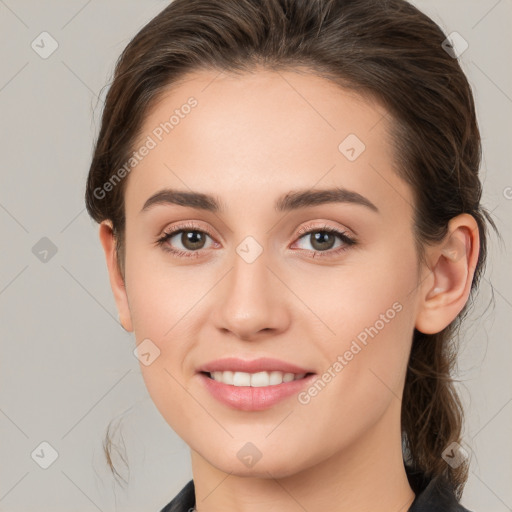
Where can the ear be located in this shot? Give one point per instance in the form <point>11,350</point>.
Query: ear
<point>445,290</point>
<point>108,242</point>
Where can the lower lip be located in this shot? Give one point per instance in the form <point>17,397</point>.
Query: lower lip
<point>247,398</point>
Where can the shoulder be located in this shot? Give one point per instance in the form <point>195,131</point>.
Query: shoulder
<point>184,501</point>
<point>432,494</point>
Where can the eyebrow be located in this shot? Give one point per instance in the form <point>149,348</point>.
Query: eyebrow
<point>293,200</point>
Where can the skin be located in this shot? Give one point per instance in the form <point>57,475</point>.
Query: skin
<point>245,143</point>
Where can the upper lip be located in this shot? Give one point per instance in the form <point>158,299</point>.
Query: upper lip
<point>256,365</point>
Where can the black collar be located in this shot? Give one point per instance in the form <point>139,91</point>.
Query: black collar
<point>432,495</point>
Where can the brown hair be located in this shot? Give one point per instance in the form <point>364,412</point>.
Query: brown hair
<point>384,49</point>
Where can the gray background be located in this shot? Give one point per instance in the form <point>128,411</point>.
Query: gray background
<point>67,368</point>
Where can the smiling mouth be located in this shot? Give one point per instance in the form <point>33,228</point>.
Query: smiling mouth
<point>258,379</point>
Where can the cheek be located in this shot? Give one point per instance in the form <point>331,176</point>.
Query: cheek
<point>167,307</point>
<point>162,296</point>
<point>352,298</point>
<point>370,312</point>
<point>364,373</point>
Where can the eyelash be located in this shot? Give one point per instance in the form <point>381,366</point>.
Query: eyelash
<point>346,239</point>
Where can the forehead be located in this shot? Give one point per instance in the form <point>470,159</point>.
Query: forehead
<point>262,132</point>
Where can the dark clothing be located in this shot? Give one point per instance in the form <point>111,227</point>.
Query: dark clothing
<point>433,495</point>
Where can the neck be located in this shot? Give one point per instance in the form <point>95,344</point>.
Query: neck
<point>369,474</point>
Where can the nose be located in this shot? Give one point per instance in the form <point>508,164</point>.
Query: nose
<point>252,302</point>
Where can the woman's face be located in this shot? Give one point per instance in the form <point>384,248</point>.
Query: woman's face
<point>257,276</point>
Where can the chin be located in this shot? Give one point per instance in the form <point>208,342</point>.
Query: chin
<point>274,464</point>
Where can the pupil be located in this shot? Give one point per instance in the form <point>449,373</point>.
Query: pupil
<point>322,238</point>
<point>192,239</point>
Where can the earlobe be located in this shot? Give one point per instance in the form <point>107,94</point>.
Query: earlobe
<point>444,293</point>
<point>117,284</point>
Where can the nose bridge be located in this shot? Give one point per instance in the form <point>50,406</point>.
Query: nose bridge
<point>252,301</point>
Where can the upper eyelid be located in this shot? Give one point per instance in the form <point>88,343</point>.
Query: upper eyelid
<point>305,230</point>
<point>301,233</point>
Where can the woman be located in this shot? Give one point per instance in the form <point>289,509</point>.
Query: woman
<point>237,138</point>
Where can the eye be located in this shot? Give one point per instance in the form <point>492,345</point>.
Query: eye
<point>323,240</point>
<point>189,241</point>
<point>186,241</point>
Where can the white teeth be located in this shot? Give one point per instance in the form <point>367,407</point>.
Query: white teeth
<point>226,377</point>
<point>241,379</point>
<point>255,380</point>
